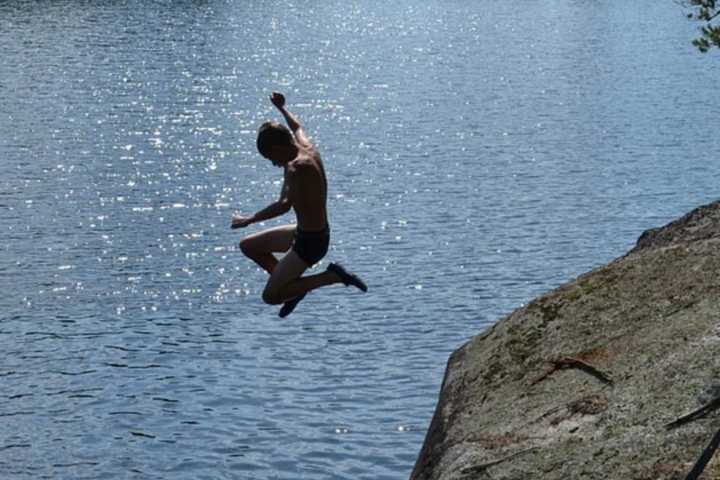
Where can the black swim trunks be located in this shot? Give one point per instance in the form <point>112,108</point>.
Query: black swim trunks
<point>311,246</point>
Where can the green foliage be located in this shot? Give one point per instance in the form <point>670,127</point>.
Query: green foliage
<point>706,11</point>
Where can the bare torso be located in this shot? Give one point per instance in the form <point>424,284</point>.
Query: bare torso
<point>307,189</point>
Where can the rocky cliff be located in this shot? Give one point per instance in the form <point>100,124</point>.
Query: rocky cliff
<point>615,375</point>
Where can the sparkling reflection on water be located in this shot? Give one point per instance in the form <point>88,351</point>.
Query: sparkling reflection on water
<point>476,158</point>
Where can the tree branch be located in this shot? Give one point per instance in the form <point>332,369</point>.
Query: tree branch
<point>701,412</point>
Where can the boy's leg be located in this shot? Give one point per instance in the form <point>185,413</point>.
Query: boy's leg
<point>260,246</point>
<point>286,282</point>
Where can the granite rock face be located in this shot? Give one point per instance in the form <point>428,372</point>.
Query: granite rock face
<point>586,381</point>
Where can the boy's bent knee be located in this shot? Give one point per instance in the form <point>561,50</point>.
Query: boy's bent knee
<point>271,297</point>
<point>246,246</point>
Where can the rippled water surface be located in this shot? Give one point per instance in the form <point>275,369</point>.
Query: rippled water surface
<point>479,154</point>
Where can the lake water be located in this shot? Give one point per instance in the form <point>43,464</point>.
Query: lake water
<point>479,154</point>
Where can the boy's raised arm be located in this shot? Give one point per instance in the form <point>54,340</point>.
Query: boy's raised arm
<point>278,99</point>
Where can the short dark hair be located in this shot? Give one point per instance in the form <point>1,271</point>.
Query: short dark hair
<point>270,134</point>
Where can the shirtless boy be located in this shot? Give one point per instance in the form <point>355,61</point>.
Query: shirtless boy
<point>305,191</point>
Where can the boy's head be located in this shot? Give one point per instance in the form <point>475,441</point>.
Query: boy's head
<point>276,143</point>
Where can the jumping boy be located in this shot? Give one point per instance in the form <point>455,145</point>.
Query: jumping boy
<point>305,191</point>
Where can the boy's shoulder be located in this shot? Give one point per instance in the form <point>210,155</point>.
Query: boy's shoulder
<point>303,165</point>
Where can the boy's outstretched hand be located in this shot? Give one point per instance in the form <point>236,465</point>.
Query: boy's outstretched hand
<point>239,221</point>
